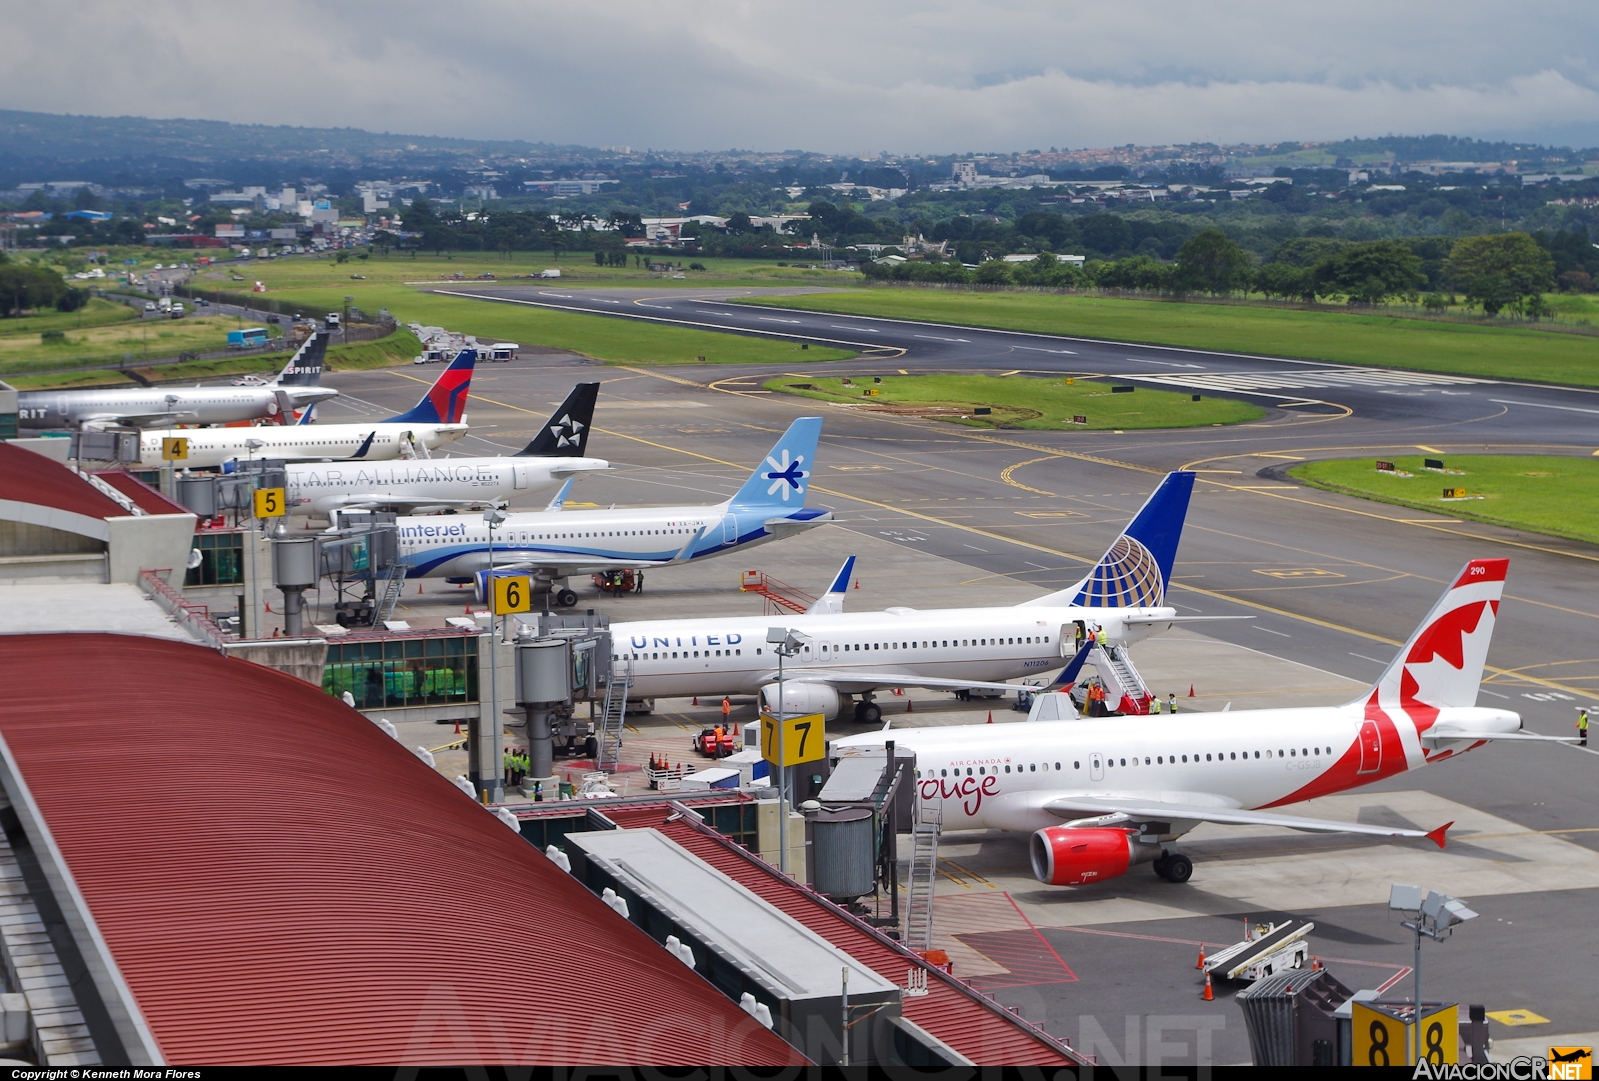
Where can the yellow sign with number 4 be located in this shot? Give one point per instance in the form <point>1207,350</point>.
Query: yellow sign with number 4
<point>513,594</point>
<point>804,739</point>
<point>174,448</point>
<point>271,502</point>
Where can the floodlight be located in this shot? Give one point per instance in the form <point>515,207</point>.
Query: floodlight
<point>493,517</point>
<point>1403,898</point>
<point>776,635</point>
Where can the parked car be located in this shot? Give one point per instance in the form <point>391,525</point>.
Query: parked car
<point>149,306</point>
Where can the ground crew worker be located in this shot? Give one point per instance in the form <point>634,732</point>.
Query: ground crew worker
<point>1096,698</point>
<point>1171,704</point>
<point>1154,704</point>
<point>1582,725</point>
<point>1099,637</point>
<point>727,708</point>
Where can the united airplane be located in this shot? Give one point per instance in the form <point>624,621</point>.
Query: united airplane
<point>294,389</point>
<point>552,457</point>
<point>1100,796</point>
<point>438,418</point>
<point>859,653</point>
<point>554,544</point>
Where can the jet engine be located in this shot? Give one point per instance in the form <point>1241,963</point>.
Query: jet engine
<point>1063,856</point>
<point>800,699</point>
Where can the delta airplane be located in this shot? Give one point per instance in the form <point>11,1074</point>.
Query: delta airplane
<point>554,544</point>
<point>437,419</point>
<point>294,389</point>
<point>1102,795</point>
<point>860,653</point>
<point>553,456</point>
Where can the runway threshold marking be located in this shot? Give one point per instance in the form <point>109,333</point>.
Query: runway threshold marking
<point>1214,594</point>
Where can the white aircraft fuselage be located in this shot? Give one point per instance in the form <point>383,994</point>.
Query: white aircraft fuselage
<point>55,409</point>
<point>213,446</point>
<point>320,488</point>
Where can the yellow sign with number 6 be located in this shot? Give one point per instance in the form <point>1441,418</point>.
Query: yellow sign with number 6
<point>270,503</point>
<point>174,448</point>
<point>804,739</point>
<point>513,594</point>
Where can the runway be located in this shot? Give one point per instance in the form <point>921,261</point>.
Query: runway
<point>1331,582</point>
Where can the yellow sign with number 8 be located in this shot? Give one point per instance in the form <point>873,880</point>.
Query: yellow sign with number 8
<point>271,502</point>
<point>513,593</point>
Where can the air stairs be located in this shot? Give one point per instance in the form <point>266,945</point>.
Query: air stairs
<point>925,828</point>
<point>612,714</point>
<point>780,596</point>
<point>393,586</point>
<point>1123,685</point>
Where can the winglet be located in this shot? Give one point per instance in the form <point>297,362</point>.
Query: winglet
<point>832,602</point>
<point>1068,675</point>
<point>366,446</point>
<point>1437,836</point>
<point>559,502</point>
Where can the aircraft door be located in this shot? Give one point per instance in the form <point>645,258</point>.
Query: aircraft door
<point>729,529</point>
<point>518,475</point>
<point>820,652</point>
<point>1096,767</point>
<point>1370,747</point>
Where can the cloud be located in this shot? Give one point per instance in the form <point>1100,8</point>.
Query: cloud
<point>927,76</point>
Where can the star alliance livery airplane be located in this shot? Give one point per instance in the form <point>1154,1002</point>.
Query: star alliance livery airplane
<point>1102,795</point>
<point>554,544</point>
<point>955,649</point>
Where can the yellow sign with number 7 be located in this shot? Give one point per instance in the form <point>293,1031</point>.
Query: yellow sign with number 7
<point>804,739</point>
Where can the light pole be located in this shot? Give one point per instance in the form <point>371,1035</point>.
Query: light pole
<point>785,643</point>
<point>489,773</point>
<point>1436,916</point>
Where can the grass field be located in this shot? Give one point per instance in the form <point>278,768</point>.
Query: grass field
<point>1023,401</point>
<point>111,343</point>
<point>1382,341</point>
<point>1557,496</point>
<point>621,340</point>
<point>96,313</point>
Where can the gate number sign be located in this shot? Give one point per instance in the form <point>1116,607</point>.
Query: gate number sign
<point>512,594</point>
<point>803,739</point>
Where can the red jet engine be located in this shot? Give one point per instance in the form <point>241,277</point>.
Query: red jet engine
<point>1063,856</point>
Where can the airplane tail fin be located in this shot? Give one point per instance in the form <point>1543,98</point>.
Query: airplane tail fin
<point>779,483</point>
<point>304,369</point>
<point>559,502</point>
<point>1135,571</point>
<point>832,602</point>
<point>445,400</point>
<point>1441,665</point>
<point>566,433</point>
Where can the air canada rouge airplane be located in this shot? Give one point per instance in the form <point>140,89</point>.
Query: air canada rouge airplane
<point>1102,795</point>
<point>955,649</point>
<point>438,418</point>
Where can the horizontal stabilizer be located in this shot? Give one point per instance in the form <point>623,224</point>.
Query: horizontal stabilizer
<point>1443,734</point>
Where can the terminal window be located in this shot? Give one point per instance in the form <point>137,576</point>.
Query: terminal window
<point>221,559</point>
<point>395,673</point>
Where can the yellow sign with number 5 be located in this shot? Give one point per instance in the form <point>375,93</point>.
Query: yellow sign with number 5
<point>513,594</point>
<point>271,503</point>
<point>804,739</point>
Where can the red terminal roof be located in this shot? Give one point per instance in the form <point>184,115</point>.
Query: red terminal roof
<point>148,499</point>
<point>979,1029</point>
<point>281,882</point>
<point>26,477</point>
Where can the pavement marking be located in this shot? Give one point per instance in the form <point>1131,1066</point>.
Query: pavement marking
<point>1517,1017</point>
<point>1541,405</point>
<point>1428,450</point>
<point>1345,377</point>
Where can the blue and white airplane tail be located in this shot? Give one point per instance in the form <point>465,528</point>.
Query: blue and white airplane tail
<point>780,482</point>
<point>1136,570</point>
<point>445,400</point>
<point>831,603</point>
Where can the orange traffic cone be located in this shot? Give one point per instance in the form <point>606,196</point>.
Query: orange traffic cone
<point>910,707</point>
<point>419,589</point>
<point>990,716</point>
<point>1201,962</point>
<point>1315,964</point>
<point>267,605</point>
<point>696,700</point>
<point>857,583</point>
<point>1190,690</point>
<point>458,728</point>
<point>1209,995</point>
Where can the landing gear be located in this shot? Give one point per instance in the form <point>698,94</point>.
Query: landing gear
<point>1174,867</point>
<point>565,598</point>
<point>868,713</point>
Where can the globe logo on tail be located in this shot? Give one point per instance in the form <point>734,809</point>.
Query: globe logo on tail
<point>785,476</point>
<point>1127,577</point>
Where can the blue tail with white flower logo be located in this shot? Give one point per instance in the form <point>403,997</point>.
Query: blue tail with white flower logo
<point>1136,570</point>
<point>779,483</point>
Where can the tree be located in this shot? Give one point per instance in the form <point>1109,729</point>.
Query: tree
<point>993,272</point>
<point>1371,272</point>
<point>1211,262</point>
<point>1501,270</point>
<point>1287,281</point>
<point>419,216</point>
<point>23,287</point>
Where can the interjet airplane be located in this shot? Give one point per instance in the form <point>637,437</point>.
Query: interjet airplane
<point>553,456</point>
<point>553,544</point>
<point>294,389</point>
<point>957,649</point>
<point>1103,795</point>
<point>437,419</point>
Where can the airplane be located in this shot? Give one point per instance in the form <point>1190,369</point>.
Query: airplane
<point>1101,796</point>
<point>438,418</point>
<point>554,544</point>
<point>957,649</point>
<point>294,388</point>
<point>554,455</point>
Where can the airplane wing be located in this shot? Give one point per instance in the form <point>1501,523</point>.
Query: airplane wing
<point>787,527</point>
<point>387,501</point>
<point>1152,810</point>
<point>164,419</point>
<point>855,677</point>
<point>1139,620</point>
<point>1445,733</point>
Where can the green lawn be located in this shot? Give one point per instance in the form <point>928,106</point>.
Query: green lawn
<point>1023,401</point>
<point>620,340</point>
<point>110,343</point>
<point>1383,341</point>
<point>1557,496</point>
<point>96,313</point>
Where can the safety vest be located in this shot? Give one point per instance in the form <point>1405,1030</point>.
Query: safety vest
<point>1582,721</point>
<point>1173,705</point>
<point>1154,705</point>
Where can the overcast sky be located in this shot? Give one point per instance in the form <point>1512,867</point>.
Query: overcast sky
<point>930,76</point>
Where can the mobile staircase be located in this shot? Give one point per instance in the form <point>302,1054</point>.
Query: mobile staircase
<point>780,596</point>
<point>925,828</point>
<point>612,714</point>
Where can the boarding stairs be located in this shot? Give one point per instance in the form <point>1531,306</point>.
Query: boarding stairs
<point>393,586</point>
<point>926,825</point>
<point>1123,685</point>
<point>780,596</point>
<point>612,714</point>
